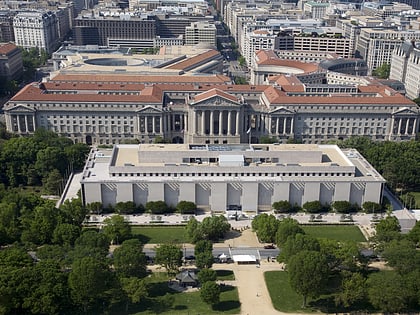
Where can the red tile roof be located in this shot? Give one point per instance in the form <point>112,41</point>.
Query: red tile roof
<point>7,48</point>
<point>196,60</point>
<point>109,78</point>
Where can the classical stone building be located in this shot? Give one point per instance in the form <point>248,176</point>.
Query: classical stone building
<point>218,177</point>
<point>208,109</point>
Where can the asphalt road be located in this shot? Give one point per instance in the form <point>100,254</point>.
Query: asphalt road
<point>264,253</point>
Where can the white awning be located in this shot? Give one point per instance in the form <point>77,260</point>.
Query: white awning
<point>244,258</point>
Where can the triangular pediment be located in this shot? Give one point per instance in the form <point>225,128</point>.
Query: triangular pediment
<point>214,97</point>
<point>150,110</point>
<point>281,111</point>
<point>20,108</point>
<point>405,111</point>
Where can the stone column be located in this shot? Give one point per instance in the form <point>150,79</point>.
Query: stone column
<point>161,125</point>
<point>26,124</point>
<point>186,123</point>
<point>291,125</point>
<point>414,126</point>
<point>269,125</point>
<point>220,122</point>
<point>211,123</point>
<point>237,123</point>
<point>406,126</point>
<point>392,125</point>
<point>229,123</point>
<point>203,122</point>
<point>153,124</point>
<point>146,131</point>
<point>33,122</point>
<point>399,126</point>
<point>277,125</point>
<point>284,125</point>
<point>18,123</point>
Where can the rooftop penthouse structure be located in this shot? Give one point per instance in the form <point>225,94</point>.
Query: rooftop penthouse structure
<point>215,177</point>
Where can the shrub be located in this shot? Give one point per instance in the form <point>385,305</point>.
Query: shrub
<point>157,207</point>
<point>282,206</point>
<point>186,207</point>
<point>370,206</point>
<point>313,206</point>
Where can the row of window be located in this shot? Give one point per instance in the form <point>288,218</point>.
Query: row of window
<point>228,174</point>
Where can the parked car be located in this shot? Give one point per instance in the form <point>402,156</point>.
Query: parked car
<point>270,246</point>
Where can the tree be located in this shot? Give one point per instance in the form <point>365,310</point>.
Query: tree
<point>204,259</point>
<point>402,255</point>
<point>186,207</point>
<point>91,243</point>
<point>287,227</point>
<point>49,293</point>
<point>10,228</point>
<point>203,246</point>
<point>213,228</point>
<point>268,140</point>
<point>296,244</point>
<point>266,227</point>
<point>65,234</point>
<point>117,229</point>
<point>369,207</point>
<point>73,212</point>
<point>127,207</point>
<point>387,229</point>
<point>308,272</point>
<point>169,256</point>
<point>135,290</point>
<point>206,274</point>
<point>413,235</point>
<point>129,259</point>
<point>194,231</point>
<point>353,290</point>
<point>313,206</point>
<point>344,206</point>
<point>210,293</point>
<point>157,207</point>
<point>383,71</point>
<point>387,291</point>
<point>88,281</point>
<point>282,206</point>
<point>52,182</point>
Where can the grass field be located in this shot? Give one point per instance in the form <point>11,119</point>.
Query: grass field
<point>335,232</point>
<point>160,234</point>
<point>282,295</point>
<point>225,275</point>
<point>163,300</point>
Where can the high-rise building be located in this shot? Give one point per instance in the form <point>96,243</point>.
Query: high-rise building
<point>36,29</point>
<point>11,66</point>
<point>405,67</point>
<point>200,32</point>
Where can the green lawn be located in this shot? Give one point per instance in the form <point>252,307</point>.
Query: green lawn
<point>283,297</point>
<point>160,234</point>
<point>225,275</point>
<point>335,232</point>
<point>184,303</point>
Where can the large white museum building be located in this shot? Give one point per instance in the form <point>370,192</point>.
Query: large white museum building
<point>217,176</point>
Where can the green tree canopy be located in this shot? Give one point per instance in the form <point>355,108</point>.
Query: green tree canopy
<point>210,293</point>
<point>295,244</point>
<point>308,273</point>
<point>266,227</point>
<point>129,259</point>
<point>287,227</point>
<point>117,229</point>
<point>282,206</point>
<point>206,274</point>
<point>186,207</point>
<point>169,256</point>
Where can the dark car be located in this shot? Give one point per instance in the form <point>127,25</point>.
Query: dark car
<point>270,246</point>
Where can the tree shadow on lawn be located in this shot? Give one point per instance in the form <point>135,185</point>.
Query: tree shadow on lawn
<point>326,304</point>
<point>224,273</point>
<point>226,306</point>
<point>142,238</point>
<point>231,235</point>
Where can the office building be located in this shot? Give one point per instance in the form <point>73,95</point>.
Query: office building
<point>217,177</point>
